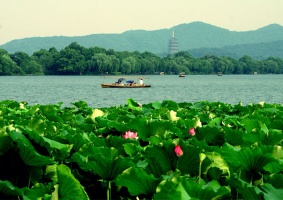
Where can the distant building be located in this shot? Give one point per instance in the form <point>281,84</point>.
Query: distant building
<point>173,45</point>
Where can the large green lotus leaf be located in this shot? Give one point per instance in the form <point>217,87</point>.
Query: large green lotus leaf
<point>5,142</point>
<point>156,105</point>
<point>273,167</point>
<point>271,193</point>
<point>200,143</point>
<point>75,138</point>
<point>276,124</point>
<point>252,161</point>
<point>231,121</point>
<point>38,191</point>
<point>253,138</point>
<point>31,109</point>
<point>274,137</point>
<point>35,174</point>
<point>130,149</point>
<point>112,141</point>
<point>229,154</point>
<point>27,151</point>
<point>263,127</point>
<point>51,112</point>
<point>189,161</point>
<point>68,186</point>
<point>155,140</point>
<point>102,161</point>
<point>80,104</point>
<point>132,104</point>
<point>7,188</point>
<point>138,181</point>
<point>276,180</point>
<point>234,136</point>
<point>164,155</point>
<point>56,149</point>
<point>117,142</point>
<point>170,105</point>
<point>153,167</point>
<point>245,190</point>
<point>212,135</point>
<point>147,128</point>
<point>67,114</point>
<point>218,162</point>
<point>36,124</point>
<point>79,119</point>
<point>110,124</point>
<point>186,124</point>
<point>215,122</point>
<point>250,124</point>
<point>200,105</point>
<point>97,141</point>
<point>181,188</point>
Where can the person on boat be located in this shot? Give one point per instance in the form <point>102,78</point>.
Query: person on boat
<point>130,82</point>
<point>141,81</point>
<point>120,80</point>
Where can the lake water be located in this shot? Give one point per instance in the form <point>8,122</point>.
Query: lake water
<point>67,89</point>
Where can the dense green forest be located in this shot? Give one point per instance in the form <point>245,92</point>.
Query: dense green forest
<point>75,59</point>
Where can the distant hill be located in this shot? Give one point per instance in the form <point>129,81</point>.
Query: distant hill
<point>258,51</point>
<point>190,37</point>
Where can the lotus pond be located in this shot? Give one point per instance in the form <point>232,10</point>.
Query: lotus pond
<point>160,150</point>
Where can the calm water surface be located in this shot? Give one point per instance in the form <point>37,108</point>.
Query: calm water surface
<point>67,89</point>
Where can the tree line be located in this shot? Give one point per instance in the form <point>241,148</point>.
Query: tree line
<point>78,60</point>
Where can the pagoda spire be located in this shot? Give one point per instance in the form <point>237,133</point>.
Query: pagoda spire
<point>173,44</point>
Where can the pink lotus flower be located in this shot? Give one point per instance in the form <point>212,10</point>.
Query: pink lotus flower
<point>192,132</point>
<point>178,151</point>
<point>131,135</point>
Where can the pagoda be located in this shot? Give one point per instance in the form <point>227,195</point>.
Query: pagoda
<point>173,45</point>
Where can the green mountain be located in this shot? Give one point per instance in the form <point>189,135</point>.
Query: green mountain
<point>257,51</point>
<point>190,37</point>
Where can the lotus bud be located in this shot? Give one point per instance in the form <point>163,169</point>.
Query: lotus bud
<point>192,132</point>
<point>202,156</point>
<point>178,151</point>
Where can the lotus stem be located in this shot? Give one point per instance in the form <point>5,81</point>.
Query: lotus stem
<point>29,178</point>
<point>109,190</point>
<point>199,172</point>
<point>202,156</point>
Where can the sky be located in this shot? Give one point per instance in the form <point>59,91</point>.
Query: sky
<point>32,18</point>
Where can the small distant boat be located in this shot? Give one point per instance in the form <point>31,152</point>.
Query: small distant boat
<point>182,75</point>
<point>219,73</point>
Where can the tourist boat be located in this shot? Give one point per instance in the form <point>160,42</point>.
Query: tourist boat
<point>219,74</point>
<point>113,85</point>
<point>181,75</point>
<point>128,84</point>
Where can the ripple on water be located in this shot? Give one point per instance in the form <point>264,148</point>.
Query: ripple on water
<point>67,89</point>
